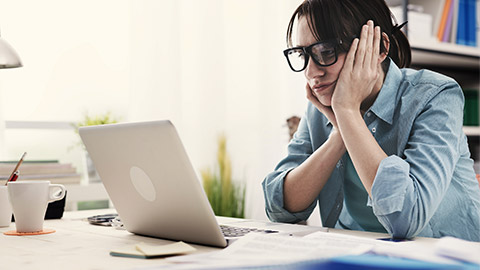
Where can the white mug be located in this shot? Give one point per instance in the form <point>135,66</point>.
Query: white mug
<point>5,208</point>
<point>29,201</point>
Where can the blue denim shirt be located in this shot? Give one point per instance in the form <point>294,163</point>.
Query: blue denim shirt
<point>425,187</point>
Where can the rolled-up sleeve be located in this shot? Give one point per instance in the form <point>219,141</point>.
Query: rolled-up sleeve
<point>407,190</point>
<point>299,149</point>
<point>273,192</point>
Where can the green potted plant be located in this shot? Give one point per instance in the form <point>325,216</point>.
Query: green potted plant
<point>227,197</point>
<point>95,120</point>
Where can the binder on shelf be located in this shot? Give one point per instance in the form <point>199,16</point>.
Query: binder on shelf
<point>453,34</point>
<point>462,21</point>
<point>436,9</point>
<point>448,25</point>
<point>471,23</point>
<point>477,11</point>
<point>471,108</point>
<point>443,20</point>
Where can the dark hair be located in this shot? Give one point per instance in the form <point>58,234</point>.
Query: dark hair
<point>343,19</point>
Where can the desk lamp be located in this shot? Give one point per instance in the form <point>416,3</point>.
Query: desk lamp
<point>8,56</point>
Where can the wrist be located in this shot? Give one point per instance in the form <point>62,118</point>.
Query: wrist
<point>335,138</point>
<point>347,113</point>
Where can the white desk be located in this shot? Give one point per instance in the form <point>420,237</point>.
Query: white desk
<point>78,245</point>
<point>75,245</point>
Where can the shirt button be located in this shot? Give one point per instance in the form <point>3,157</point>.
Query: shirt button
<point>369,114</point>
<point>374,129</point>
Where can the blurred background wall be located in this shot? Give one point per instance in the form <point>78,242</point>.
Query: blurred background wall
<point>210,66</point>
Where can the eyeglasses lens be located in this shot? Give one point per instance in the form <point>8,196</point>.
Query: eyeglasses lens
<point>324,53</point>
<point>296,58</point>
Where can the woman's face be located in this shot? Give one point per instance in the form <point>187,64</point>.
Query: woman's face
<point>322,80</point>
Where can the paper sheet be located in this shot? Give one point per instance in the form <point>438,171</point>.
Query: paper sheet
<point>267,249</point>
<point>448,250</point>
<point>262,247</point>
<point>458,249</point>
<point>273,249</point>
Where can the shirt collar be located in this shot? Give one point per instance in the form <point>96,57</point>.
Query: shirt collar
<point>385,103</point>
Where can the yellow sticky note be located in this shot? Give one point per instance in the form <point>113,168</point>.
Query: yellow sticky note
<point>128,251</point>
<point>164,250</point>
<point>145,251</point>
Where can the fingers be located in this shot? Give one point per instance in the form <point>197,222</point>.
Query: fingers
<point>368,48</point>
<point>376,46</point>
<point>361,50</point>
<point>364,53</point>
<point>369,45</point>
<point>350,58</point>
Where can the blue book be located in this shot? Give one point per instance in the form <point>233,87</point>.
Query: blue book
<point>471,23</point>
<point>462,23</point>
<point>359,262</point>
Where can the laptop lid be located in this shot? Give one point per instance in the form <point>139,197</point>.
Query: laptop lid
<point>151,182</point>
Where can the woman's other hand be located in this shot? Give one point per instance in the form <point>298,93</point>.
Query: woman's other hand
<point>360,72</point>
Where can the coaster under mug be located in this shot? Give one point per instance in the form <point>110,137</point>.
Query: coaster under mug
<point>44,231</point>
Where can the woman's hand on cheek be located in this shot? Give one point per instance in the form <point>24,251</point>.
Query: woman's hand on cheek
<point>325,110</point>
<point>360,71</point>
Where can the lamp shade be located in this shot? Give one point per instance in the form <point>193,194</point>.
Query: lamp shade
<point>8,56</point>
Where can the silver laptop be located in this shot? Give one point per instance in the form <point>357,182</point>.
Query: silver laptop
<point>152,184</point>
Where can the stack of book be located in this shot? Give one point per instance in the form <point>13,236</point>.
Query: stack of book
<point>51,170</point>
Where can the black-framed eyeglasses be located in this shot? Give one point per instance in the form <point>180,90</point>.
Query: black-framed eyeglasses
<point>323,53</point>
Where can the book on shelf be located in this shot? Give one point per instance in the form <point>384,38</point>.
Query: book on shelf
<point>37,168</point>
<point>73,178</point>
<point>448,25</point>
<point>472,23</point>
<point>467,23</point>
<point>443,20</point>
<point>454,29</point>
<point>461,25</point>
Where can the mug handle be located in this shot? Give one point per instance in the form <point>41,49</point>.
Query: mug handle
<point>51,195</point>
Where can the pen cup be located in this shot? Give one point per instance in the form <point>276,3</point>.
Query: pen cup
<point>29,201</point>
<point>5,208</point>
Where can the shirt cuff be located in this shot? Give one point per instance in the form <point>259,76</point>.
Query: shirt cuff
<point>275,209</point>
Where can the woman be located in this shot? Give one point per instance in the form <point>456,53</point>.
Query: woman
<point>380,147</point>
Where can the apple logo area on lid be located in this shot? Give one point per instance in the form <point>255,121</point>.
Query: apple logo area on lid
<point>142,183</point>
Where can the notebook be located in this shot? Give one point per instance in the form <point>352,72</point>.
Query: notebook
<point>153,186</point>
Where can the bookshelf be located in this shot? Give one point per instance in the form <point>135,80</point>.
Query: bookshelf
<point>457,61</point>
<point>435,53</point>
